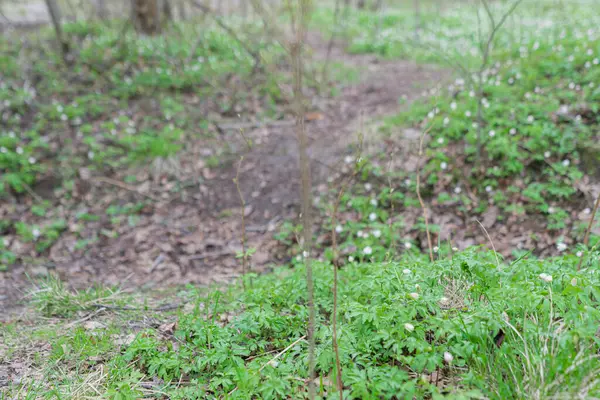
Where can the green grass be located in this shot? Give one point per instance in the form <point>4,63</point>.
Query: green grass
<point>398,321</point>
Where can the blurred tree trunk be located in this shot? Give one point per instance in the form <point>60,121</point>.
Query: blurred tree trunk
<point>101,9</point>
<point>181,8</point>
<point>167,10</point>
<point>146,16</point>
<point>54,12</point>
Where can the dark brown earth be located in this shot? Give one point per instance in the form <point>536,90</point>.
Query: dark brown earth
<point>193,237</point>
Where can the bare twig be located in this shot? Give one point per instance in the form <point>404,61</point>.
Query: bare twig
<point>491,241</point>
<point>419,193</point>
<point>243,216</point>
<point>299,20</point>
<point>114,182</point>
<point>336,13</point>
<point>589,229</point>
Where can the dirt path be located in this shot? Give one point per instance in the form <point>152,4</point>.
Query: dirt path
<point>194,238</point>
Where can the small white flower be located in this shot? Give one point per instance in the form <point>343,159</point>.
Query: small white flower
<point>6,242</point>
<point>545,277</point>
<point>550,210</point>
<point>511,81</point>
<point>588,65</point>
<point>377,233</point>
<point>457,190</point>
<point>492,133</point>
<point>91,155</point>
<point>409,327</point>
<point>3,150</point>
<point>440,140</point>
<point>436,249</point>
<point>574,282</point>
<point>368,187</point>
<point>418,287</point>
<point>587,210</point>
<point>298,257</point>
<point>471,94</point>
<point>571,58</point>
<point>64,117</point>
<point>590,52</point>
<point>36,233</point>
<point>360,234</point>
<point>11,135</point>
<point>19,150</point>
<point>566,162</point>
<point>372,217</point>
<point>444,300</point>
<point>305,254</point>
<point>595,61</point>
<point>406,271</point>
<point>350,259</point>
<point>339,229</point>
<point>415,296</point>
<point>579,254</point>
<point>446,122</point>
<point>407,182</point>
<point>443,165</point>
<point>448,357</point>
<point>59,108</point>
<point>32,160</point>
<point>373,202</point>
<point>528,95</point>
<point>430,114</point>
<point>407,245</point>
<point>488,189</point>
<point>468,113</point>
<point>560,246</point>
<point>455,249</point>
<point>453,106</point>
<point>547,154</point>
<point>530,119</point>
<point>513,131</point>
<point>367,250</point>
<point>348,159</point>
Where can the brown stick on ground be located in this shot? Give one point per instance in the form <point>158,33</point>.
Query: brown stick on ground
<point>589,229</point>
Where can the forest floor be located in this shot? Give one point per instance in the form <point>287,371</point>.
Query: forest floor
<point>194,236</point>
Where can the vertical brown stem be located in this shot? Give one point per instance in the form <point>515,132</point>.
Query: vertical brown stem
<point>425,216</point>
<point>299,24</point>
<point>589,229</point>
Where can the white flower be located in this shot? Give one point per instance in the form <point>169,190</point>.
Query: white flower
<point>372,217</point>
<point>440,140</point>
<point>298,257</point>
<point>455,249</point>
<point>574,282</point>
<point>360,234</point>
<point>350,259</point>
<point>91,155</point>
<point>430,114</point>
<point>468,113</point>
<point>339,229</point>
<point>59,108</point>
<point>492,133</point>
<point>348,159</point>
<point>587,211</point>
<point>11,135</point>
<point>6,242</point>
<point>550,210</point>
<point>448,357</point>
<point>414,296</point>
<point>595,61</point>
<point>453,106</point>
<point>513,131</point>
<point>457,190</point>
<point>3,150</point>
<point>511,81</point>
<point>407,245</point>
<point>418,287</point>
<point>566,162</point>
<point>444,300</point>
<point>528,95</point>
<point>443,165</point>
<point>488,188</point>
<point>547,154</point>
<point>590,52</point>
<point>545,277</point>
<point>579,253</point>
<point>19,150</point>
<point>530,119</point>
<point>409,327</point>
<point>32,160</point>
<point>406,271</point>
<point>471,94</point>
<point>367,250</point>
<point>377,233</point>
<point>36,233</point>
<point>446,122</point>
<point>588,65</point>
<point>64,117</point>
<point>373,202</point>
<point>407,181</point>
<point>436,249</point>
<point>560,246</point>
<point>368,187</point>
<point>305,254</point>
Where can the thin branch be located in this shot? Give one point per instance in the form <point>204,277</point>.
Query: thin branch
<point>243,216</point>
<point>589,229</point>
<point>491,241</point>
<point>419,193</point>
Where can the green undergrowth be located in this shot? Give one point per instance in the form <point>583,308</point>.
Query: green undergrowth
<point>540,107</point>
<point>465,326</point>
